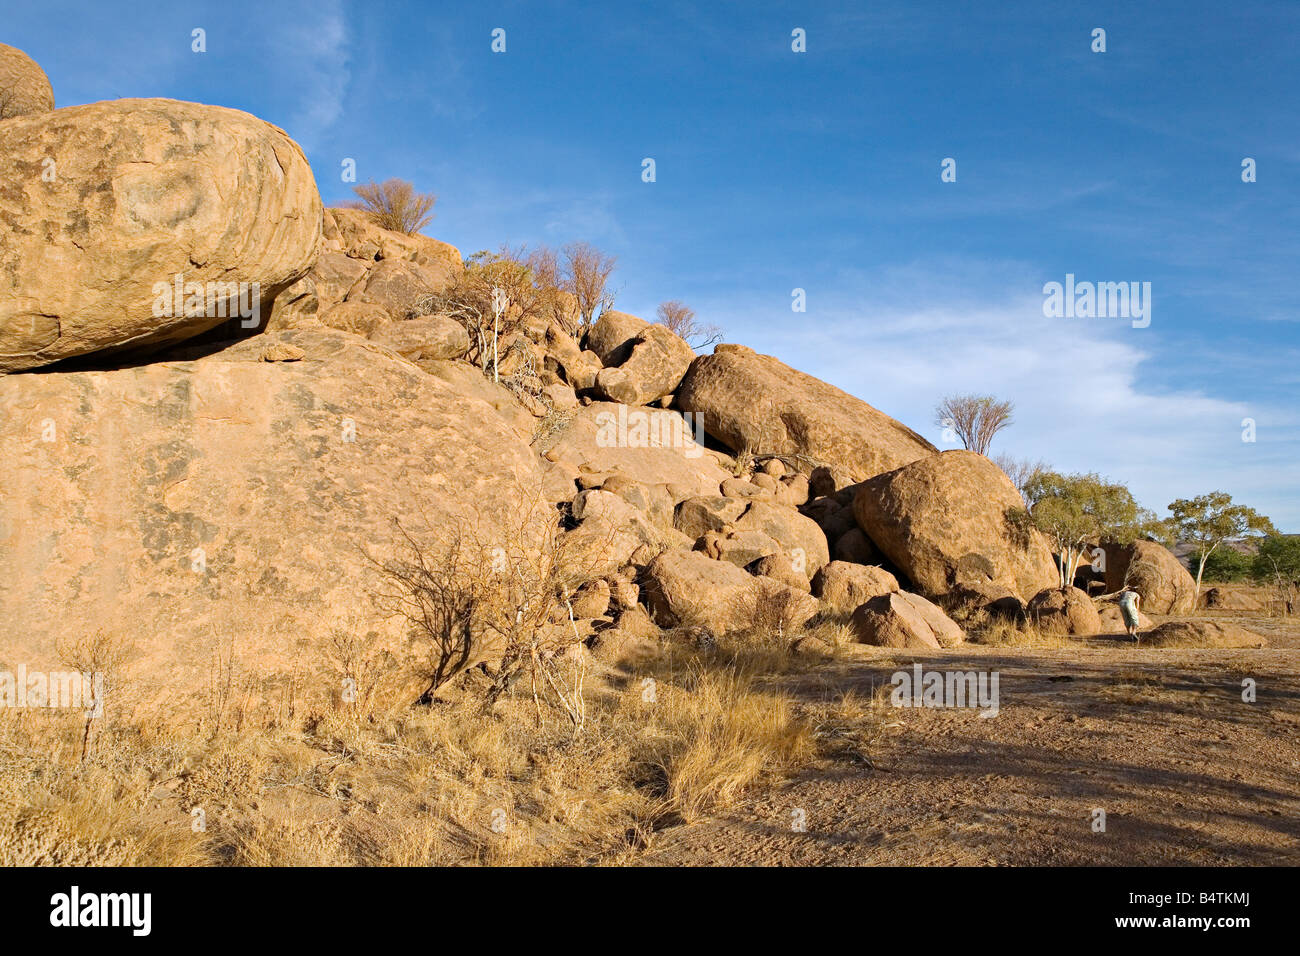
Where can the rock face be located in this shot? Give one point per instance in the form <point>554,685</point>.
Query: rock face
<point>1202,634</point>
<point>654,368</point>
<point>428,337</point>
<point>612,336</point>
<point>1064,611</point>
<point>143,192</point>
<point>845,587</point>
<point>652,445</point>
<point>686,588</point>
<point>943,522</point>
<point>191,503</point>
<point>1153,571</point>
<point>1226,599</point>
<point>900,619</point>
<point>753,401</point>
<point>24,88</point>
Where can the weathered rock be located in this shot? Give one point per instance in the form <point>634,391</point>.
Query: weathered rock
<point>655,367</point>
<point>699,515</point>
<point>335,276</point>
<point>470,382</point>
<point>752,401</point>
<point>683,588</point>
<point>1152,570</point>
<point>1228,599</point>
<point>428,337</point>
<point>740,548</point>
<point>854,546</point>
<point>798,536</point>
<point>181,504</point>
<point>900,619</point>
<point>1112,621</point>
<point>845,587</point>
<point>400,286</point>
<point>1064,611</point>
<point>944,521</point>
<point>24,88</point>
<point>612,336</point>
<point>145,191</point>
<point>1201,634</point>
<point>578,367</point>
<point>649,444</point>
<point>592,599</point>
<point>356,230</point>
<point>296,307</point>
<point>994,599</point>
<point>780,567</point>
<point>359,318</point>
<point>283,352</point>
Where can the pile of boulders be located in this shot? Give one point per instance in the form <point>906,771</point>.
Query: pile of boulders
<point>194,475</point>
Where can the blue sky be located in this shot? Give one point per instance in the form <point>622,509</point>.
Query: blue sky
<point>778,170</point>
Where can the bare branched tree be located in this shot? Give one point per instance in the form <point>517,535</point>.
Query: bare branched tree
<point>585,275</point>
<point>1021,471</point>
<point>680,319</point>
<point>974,418</point>
<point>394,204</point>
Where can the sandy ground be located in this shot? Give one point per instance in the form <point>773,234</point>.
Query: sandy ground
<point>1160,739</point>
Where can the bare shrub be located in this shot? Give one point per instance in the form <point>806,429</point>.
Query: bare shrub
<point>584,274</point>
<point>395,205</point>
<point>680,319</point>
<point>974,418</point>
<point>1021,471</point>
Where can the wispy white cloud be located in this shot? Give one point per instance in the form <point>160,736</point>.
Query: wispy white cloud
<point>1084,394</point>
<point>315,64</point>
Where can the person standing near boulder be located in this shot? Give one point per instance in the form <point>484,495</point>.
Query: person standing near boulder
<point>1128,608</point>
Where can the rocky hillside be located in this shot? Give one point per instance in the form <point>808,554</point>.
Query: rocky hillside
<point>228,411</point>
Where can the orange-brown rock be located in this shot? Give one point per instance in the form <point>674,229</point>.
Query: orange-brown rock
<point>225,502</point>
<point>944,521</point>
<point>753,401</point>
<point>900,619</point>
<point>1152,570</point>
<point>144,192</point>
<point>24,88</point>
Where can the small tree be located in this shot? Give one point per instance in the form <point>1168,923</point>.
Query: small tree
<point>585,272</point>
<point>1209,520</point>
<point>395,205</point>
<point>679,318</point>
<point>974,418</point>
<point>1278,561</point>
<point>1076,510</point>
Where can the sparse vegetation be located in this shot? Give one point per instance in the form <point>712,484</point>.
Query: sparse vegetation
<point>974,418</point>
<point>584,274</point>
<point>394,204</point>
<point>680,319</point>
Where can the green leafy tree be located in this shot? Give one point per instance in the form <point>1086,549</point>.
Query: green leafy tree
<point>1278,561</point>
<point>1074,511</point>
<point>1229,564</point>
<point>1209,520</point>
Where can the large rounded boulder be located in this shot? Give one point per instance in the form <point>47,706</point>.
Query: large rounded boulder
<point>947,520</point>
<point>1151,569</point>
<point>24,88</point>
<point>900,619</point>
<point>134,224</point>
<point>1064,611</point>
<point>755,402</point>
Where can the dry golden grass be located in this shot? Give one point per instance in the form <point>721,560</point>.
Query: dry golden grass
<point>684,735</point>
<point>997,632</point>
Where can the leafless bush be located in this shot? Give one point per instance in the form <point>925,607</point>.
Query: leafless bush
<point>975,419</point>
<point>394,204</point>
<point>680,320</point>
<point>585,272</point>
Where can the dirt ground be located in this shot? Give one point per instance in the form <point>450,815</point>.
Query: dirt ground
<point>1160,739</point>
